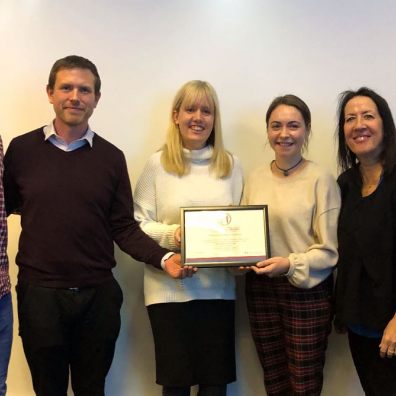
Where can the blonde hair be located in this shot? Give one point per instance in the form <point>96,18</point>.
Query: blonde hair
<point>172,157</point>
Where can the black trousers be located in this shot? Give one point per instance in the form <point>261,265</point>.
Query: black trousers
<point>69,329</point>
<point>377,375</point>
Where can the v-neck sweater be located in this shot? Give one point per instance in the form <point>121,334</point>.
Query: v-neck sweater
<point>73,205</point>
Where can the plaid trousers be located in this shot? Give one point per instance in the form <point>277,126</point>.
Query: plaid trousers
<point>290,327</point>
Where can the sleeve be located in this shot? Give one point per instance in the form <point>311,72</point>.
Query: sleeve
<point>12,195</point>
<point>237,181</point>
<point>309,268</point>
<point>125,229</point>
<point>246,192</point>
<point>393,203</point>
<point>146,208</point>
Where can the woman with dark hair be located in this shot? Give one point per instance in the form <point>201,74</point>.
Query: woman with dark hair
<point>289,294</point>
<point>366,281</point>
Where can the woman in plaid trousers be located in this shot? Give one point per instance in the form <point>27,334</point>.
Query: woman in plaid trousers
<point>289,294</point>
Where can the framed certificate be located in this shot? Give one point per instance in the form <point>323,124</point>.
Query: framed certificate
<point>224,236</point>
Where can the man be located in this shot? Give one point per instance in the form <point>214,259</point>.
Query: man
<point>72,190</point>
<point>6,318</point>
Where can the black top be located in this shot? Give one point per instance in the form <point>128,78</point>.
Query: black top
<point>366,281</point>
<point>73,205</point>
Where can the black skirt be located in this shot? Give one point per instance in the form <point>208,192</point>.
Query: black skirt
<point>194,342</point>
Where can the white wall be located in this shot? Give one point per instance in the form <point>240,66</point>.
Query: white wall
<point>251,51</point>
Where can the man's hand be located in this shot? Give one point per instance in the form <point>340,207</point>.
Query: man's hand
<point>174,269</point>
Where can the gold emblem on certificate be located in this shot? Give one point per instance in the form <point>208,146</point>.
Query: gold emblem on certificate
<point>224,236</point>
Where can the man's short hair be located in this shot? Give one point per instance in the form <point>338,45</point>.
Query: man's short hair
<point>74,62</point>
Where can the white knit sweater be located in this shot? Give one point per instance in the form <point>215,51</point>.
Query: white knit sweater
<point>303,211</point>
<point>159,195</point>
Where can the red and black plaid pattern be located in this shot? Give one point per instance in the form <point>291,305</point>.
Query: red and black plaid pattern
<point>290,327</point>
<point>4,277</point>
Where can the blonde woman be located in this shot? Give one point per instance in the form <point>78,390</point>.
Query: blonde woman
<point>192,319</point>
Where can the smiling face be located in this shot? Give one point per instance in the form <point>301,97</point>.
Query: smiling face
<point>195,120</point>
<point>286,133</point>
<point>363,128</point>
<point>73,98</point>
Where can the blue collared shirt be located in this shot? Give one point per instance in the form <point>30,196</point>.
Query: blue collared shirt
<point>51,135</point>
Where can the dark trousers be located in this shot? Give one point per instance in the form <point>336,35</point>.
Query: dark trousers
<point>69,329</point>
<point>377,375</point>
<point>290,327</point>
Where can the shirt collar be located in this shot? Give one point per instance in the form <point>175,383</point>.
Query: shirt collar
<point>49,130</point>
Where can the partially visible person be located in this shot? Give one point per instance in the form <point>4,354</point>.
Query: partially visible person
<point>6,317</point>
<point>289,295</point>
<point>366,280</point>
<point>193,319</point>
<point>72,190</point>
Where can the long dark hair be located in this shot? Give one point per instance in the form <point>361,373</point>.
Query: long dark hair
<point>348,159</point>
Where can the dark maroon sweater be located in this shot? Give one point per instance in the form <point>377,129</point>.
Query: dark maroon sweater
<point>73,205</point>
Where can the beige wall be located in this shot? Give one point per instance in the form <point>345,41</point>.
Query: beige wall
<point>251,51</point>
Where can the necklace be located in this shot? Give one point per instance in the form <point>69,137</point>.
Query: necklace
<point>370,184</point>
<point>286,171</point>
